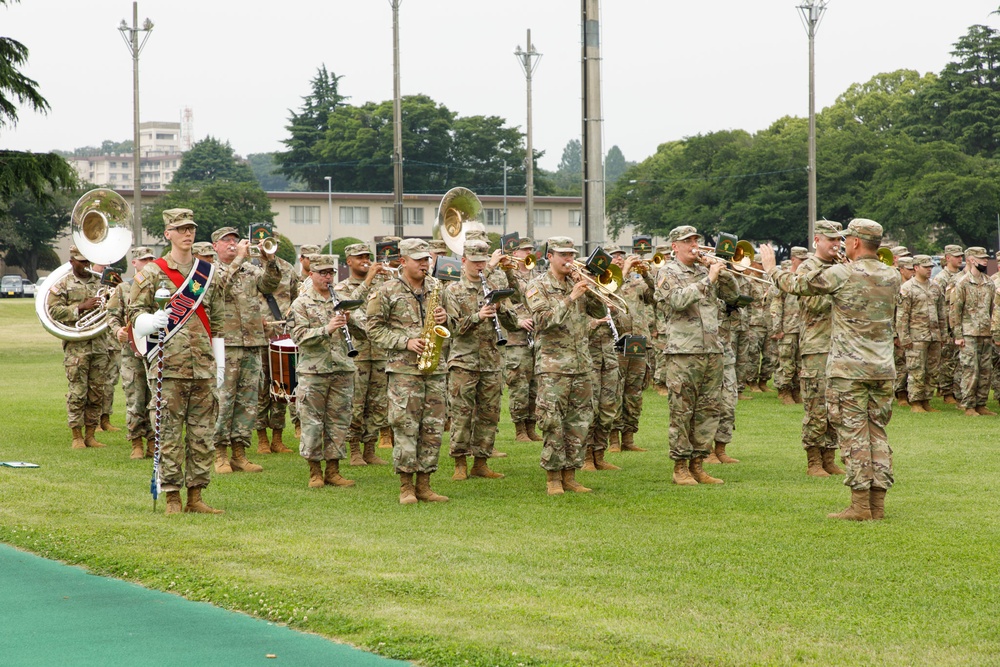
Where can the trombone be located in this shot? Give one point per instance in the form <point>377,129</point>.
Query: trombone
<point>738,263</point>
<point>599,289</point>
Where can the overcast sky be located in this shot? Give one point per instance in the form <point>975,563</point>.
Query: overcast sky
<point>670,69</point>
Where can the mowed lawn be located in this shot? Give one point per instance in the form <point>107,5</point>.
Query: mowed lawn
<point>639,572</point>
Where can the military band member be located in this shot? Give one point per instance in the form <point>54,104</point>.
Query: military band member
<point>138,395</point>
<point>904,264</point>
<point>785,326</point>
<point>739,326</point>
<point>694,362</point>
<point>271,413</point>
<point>305,252</point>
<point>729,395</point>
<point>659,328</point>
<point>241,284</point>
<point>637,291</point>
<point>192,364</point>
<point>325,390</point>
<point>759,320</point>
<point>85,361</point>
<point>948,386</point>
<point>971,305</point>
<point>519,354</point>
<point>860,365</point>
<point>204,251</point>
<point>438,249</point>
<point>112,370</point>
<point>369,412</point>
<point>397,313</point>
<point>920,327</point>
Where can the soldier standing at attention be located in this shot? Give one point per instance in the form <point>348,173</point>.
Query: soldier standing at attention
<point>325,389</point>
<point>112,371</point>
<point>85,361</point>
<point>637,291</point>
<point>397,314</point>
<point>192,360</point>
<point>694,364</point>
<point>564,406</point>
<point>785,326</point>
<point>519,355</point>
<point>904,263</point>
<point>241,284</point>
<point>860,367</point>
<point>948,387</point>
<point>659,327</point>
<point>971,305</point>
<point>204,251</point>
<point>271,413</point>
<point>134,382</point>
<point>920,326</point>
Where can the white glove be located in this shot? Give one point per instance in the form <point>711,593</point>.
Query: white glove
<point>148,324</point>
<point>219,352</point>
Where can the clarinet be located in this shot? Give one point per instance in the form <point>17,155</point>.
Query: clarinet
<point>611,323</point>
<point>351,352</point>
<point>501,341</point>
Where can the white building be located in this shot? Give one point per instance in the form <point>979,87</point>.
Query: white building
<point>161,152</point>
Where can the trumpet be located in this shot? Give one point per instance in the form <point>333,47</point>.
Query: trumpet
<point>529,262</point>
<point>599,289</point>
<point>268,245</point>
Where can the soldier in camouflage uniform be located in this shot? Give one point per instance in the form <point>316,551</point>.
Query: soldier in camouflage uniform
<point>133,368</point>
<point>397,315</point>
<point>561,306</point>
<point>951,268</point>
<point>519,356</point>
<point>694,366</point>
<point>971,305</point>
<point>112,371</point>
<point>241,284</point>
<point>758,319</point>
<point>203,250</point>
<point>860,366</point>
<point>920,327</point>
<point>904,264</point>
<point>728,397</point>
<point>305,282</point>
<point>271,413</point>
<point>785,326</point>
<point>325,375</point>
<point>659,328</point>
<point>191,368</point>
<point>739,326</point>
<point>85,361</point>
<point>475,364</point>
<point>369,412</point>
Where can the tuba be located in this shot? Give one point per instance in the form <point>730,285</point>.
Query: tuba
<point>101,227</point>
<point>458,213</point>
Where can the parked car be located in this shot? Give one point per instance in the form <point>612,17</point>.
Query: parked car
<point>29,287</point>
<point>11,286</point>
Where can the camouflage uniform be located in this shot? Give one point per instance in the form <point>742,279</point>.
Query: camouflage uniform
<point>814,347</point>
<point>730,389</point>
<point>138,393</point>
<point>759,316</point>
<point>637,291</point>
<point>111,373</point>
<point>785,320</point>
<point>565,407</point>
<point>604,378</point>
<point>739,324</point>
<point>519,361</point>
<point>271,413</point>
<point>189,395</point>
<point>920,326</point>
<point>970,307</point>
<point>947,377</point>
<point>325,376</point>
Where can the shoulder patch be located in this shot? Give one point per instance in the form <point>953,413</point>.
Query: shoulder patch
<point>372,295</point>
<point>531,292</point>
<point>139,277</point>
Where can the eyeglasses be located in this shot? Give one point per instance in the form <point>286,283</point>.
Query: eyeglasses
<point>326,272</point>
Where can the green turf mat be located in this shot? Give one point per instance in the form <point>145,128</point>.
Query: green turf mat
<point>55,614</point>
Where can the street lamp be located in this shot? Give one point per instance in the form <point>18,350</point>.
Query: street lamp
<point>329,210</point>
<point>131,37</point>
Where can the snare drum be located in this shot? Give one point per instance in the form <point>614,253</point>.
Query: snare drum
<point>282,355</point>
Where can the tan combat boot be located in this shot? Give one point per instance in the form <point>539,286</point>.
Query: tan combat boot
<point>600,463</point>
<point>588,459</point>
<point>197,505</point>
<point>754,388</point>
<point>240,463</point>
<point>480,469</point>
<point>971,412</point>
<point>797,395</point>
<point>901,399</point>
<point>88,438</point>
<point>277,444</point>
<point>569,482</point>
<point>461,469</point>
<point>628,442</point>
<point>786,398</point>
<point>222,466</point>
<point>106,424</point>
<point>615,442</point>
<point>424,491</point>
<point>529,428</point>
<point>369,455</point>
<point>406,492</point>
<point>876,501</point>
<point>917,406</point>
<point>662,390</point>
<point>357,459</point>
<point>985,411</point>
<point>763,387</point>
<point>682,476</point>
<point>829,457</point>
<point>720,454</point>
<point>316,475</point>
<point>263,444</point>
<point>814,461</point>
<point>333,477</point>
<point>150,447</point>
<point>298,431</point>
<point>949,399</point>
<point>173,503</point>
<point>699,475</point>
<point>927,406</point>
<point>521,432</point>
<point>78,439</point>
<point>711,458</point>
<point>496,454</point>
<point>553,482</point>
<point>385,438</point>
<point>136,449</point>
<point>859,509</point>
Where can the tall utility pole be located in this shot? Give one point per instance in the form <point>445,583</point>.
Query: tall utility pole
<point>397,127</point>
<point>812,13</point>
<point>329,212</point>
<point>529,61</point>
<point>593,156</point>
<point>135,48</point>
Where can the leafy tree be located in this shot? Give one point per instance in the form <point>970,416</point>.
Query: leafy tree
<point>215,205</point>
<point>211,160</point>
<point>615,165</point>
<point>307,127</point>
<point>337,246</point>
<point>30,226</point>
<point>265,170</point>
<point>568,178</point>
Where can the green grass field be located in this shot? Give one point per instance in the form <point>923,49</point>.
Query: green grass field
<point>639,572</point>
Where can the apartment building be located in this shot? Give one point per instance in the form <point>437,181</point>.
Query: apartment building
<point>161,153</point>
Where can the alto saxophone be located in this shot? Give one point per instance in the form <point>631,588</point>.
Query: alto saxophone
<point>433,335</point>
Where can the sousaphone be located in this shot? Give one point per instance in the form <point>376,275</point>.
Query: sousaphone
<point>458,213</point>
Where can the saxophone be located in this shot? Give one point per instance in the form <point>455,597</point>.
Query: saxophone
<point>433,335</point>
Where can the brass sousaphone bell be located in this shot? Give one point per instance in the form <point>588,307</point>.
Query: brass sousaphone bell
<point>458,213</point>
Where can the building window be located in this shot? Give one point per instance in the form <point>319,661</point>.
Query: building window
<point>411,216</point>
<point>124,165</point>
<point>354,215</point>
<point>493,217</point>
<point>114,165</point>
<point>543,217</point>
<point>160,135</point>
<point>305,215</point>
<point>575,217</point>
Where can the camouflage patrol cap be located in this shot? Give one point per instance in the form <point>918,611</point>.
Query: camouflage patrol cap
<point>905,263</point>
<point>922,260</point>
<point>663,248</point>
<point>74,253</point>
<point>682,232</point>
<point>224,231</point>
<point>178,217</point>
<point>615,250</point>
<point>477,234</point>
<point>799,252</point>
<point>828,228</point>
<point>142,252</point>
<point>390,239</point>
<point>526,244</point>
<point>976,251</point>
<point>561,244</point>
<point>308,249</point>
<point>953,249</point>
<point>786,264</point>
<point>863,228</point>
<point>438,246</point>
<point>356,249</point>
<point>476,251</point>
<point>322,263</point>
<point>900,251</point>
<point>414,248</point>
<point>204,248</point>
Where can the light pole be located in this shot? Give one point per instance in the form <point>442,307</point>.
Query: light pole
<point>812,13</point>
<point>505,198</point>
<point>329,209</point>
<point>593,226</point>
<point>397,127</point>
<point>135,48</point>
<point>528,61</point>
